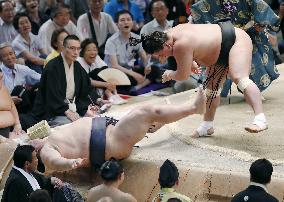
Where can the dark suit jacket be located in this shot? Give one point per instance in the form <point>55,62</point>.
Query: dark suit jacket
<point>18,189</point>
<point>254,194</point>
<point>52,91</point>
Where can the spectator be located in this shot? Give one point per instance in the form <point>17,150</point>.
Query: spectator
<point>114,6</point>
<point>93,64</point>
<point>168,178</point>
<point>96,24</point>
<point>9,118</point>
<point>120,55</point>
<point>26,44</point>
<point>60,18</point>
<point>37,17</point>
<point>56,43</point>
<point>260,176</point>
<point>64,87</point>
<point>23,178</point>
<point>18,79</point>
<point>7,13</point>
<point>177,9</point>
<point>40,195</point>
<point>78,7</point>
<point>112,174</point>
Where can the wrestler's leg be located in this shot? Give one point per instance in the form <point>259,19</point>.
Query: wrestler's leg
<point>133,127</point>
<point>206,127</point>
<point>240,66</point>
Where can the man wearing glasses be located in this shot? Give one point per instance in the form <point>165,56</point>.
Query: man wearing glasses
<point>64,88</point>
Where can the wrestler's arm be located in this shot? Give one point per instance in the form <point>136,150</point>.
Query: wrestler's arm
<point>184,58</point>
<point>53,160</point>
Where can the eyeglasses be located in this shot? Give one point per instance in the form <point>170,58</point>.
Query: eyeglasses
<point>73,48</point>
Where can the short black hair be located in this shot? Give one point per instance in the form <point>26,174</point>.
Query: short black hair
<point>84,45</point>
<point>22,154</point>
<point>154,1</point>
<point>1,4</point>
<point>40,195</point>
<point>168,175</point>
<point>174,200</point>
<point>111,170</point>
<point>54,36</point>
<point>17,18</point>
<point>119,13</point>
<point>70,37</point>
<point>154,42</point>
<point>261,171</point>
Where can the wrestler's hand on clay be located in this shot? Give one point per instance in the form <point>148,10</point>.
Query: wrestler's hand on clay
<point>56,182</point>
<point>168,75</point>
<point>195,68</point>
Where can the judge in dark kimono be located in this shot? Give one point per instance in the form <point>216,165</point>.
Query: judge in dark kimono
<point>257,19</point>
<point>23,178</point>
<point>64,88</point>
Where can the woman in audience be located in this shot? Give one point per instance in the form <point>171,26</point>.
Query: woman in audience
<point>56,43</point>
<point>93,64</point>
<point>9,118</point>
<point>37,18</point>
<point>113,176</point>
<point>26,44</point>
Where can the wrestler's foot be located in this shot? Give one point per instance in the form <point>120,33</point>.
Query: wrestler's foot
<point>207,133</point>
<point>200,101</point>
<point>259,124</point>
<point>254,128</point>
<point>155,126</point>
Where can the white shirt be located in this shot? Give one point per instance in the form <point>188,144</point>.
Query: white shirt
<point>33,182</point>
<point>20,45</point>
<point>102,27</point>
<point>23,76</point>
<point>98,63</point>
<point>155,26</point>
<point>118,46</point>
<point>7,32</point>
<point>70,83</point>
<point>46,30</point>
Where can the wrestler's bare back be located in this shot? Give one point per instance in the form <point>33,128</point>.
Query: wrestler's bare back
<point>203,41</point>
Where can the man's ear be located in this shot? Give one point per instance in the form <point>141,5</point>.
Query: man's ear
<point>26,165</point>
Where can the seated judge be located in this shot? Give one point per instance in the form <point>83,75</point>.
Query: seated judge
<point>24,179</point>
<point>64,88</point>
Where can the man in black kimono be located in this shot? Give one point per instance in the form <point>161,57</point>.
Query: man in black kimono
<point>23,179</point>
<point>260,175</point>
<point>64,88</point>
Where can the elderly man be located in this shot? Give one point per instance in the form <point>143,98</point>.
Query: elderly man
<point>60,18</point>
<point>227,50</point>
<point>96,24</point>
<point>95,140</point>
<point>16,76</point>
<point>7,30</point>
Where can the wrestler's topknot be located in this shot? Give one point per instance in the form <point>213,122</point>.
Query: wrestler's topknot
<point>151,43</point>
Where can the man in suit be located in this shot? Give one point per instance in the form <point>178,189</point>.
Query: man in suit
<point>260,175</point>
<point>23,179</point>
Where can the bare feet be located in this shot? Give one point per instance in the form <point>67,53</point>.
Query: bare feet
<point>200,101</point>
<point>253,128</point>
<point>208,133</point>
